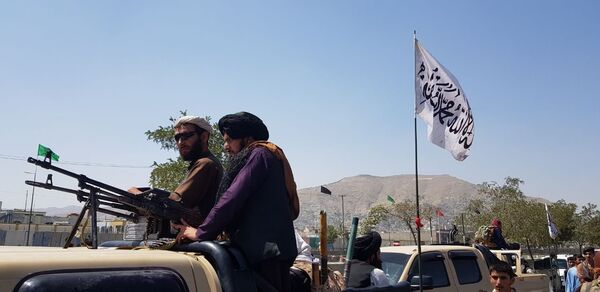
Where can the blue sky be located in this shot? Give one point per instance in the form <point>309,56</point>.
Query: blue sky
<point>333,81</point>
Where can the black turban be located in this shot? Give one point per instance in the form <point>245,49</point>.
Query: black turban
<point>366,246</point>
<point>242,125</point>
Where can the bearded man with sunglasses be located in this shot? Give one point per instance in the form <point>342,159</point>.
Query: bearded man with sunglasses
<point>199,188</point>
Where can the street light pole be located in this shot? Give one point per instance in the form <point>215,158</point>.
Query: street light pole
<point>326,191</point>
<point>343,225</point>
<point>26,198</point>
<point>462,217</point>
<point>31,206</point>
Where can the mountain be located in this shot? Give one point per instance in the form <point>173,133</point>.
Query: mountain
<point>364,191</point>
<point>62,211</point>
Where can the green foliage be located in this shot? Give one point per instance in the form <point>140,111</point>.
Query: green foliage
<point>565,217</point>
<point>405,212</point>
<point>587,226</point>
<point>333,233</point>
<point>376,214</point>
<point>400,213</point>
<point>169,174</point>
<point>524,220</point>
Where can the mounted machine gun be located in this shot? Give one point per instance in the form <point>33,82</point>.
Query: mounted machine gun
<point>98,196</point>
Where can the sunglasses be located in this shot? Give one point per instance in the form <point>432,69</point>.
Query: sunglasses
<point>183,136</point>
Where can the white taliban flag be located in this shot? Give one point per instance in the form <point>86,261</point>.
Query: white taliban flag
<point>551,225</point>
<point>442,104</point>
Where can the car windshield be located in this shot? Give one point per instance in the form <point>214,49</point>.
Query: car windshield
<point>561,263</point>
<point>393,265</point>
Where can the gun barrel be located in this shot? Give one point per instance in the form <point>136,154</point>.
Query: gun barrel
<point>154,203</point>
<point>51,187</point>
<point>82,178</point>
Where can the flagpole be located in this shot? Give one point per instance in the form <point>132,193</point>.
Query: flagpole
<point>417,181</point>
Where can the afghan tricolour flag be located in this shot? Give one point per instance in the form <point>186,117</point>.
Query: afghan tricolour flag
<point>442,104</point>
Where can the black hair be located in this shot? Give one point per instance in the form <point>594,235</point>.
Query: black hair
<point>588,249</point>
<point>503,267</point>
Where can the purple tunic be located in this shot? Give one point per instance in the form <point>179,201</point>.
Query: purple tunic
<point>248,181</point>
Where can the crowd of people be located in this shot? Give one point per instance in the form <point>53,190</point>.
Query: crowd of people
<point>583,273</point>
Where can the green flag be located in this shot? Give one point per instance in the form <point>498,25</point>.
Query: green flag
<point>43,151</point>
<point>390,199</point>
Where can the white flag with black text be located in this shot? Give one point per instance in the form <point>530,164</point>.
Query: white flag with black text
<point>442,104</point>
<point>552,229</point>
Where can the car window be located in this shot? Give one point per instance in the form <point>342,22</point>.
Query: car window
<point>393,265</point>
<point>99,280</point>
<point>433,266</point>
<point>466,267</point>
<point>561,263</point>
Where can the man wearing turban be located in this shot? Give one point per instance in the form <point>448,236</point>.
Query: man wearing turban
<point>365,269</point>
<point>257,201</point>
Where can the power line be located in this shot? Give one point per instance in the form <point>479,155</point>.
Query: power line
<point>91,164</point>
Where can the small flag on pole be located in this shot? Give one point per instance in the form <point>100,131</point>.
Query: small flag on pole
<point>390,199</point>
<point>439,213</point>
<point>552,229</point>
<point>45,151</point>
<point>442,104</point>
<point>325,190</point>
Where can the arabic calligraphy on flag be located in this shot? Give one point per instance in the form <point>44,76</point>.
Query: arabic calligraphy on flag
<point>442,104</point>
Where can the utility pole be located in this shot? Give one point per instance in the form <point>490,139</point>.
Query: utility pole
<point>343,225</point>
<point>26,197</point>
<point>31,206</point>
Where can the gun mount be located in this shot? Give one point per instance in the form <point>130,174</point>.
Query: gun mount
<point>104,198</point>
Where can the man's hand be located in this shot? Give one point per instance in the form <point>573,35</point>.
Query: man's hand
<point>134,190</point>
<point>175,197</point>
<point>186,232</point>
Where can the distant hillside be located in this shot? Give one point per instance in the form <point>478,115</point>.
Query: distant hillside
<point>364,191</point>
<point>62,211</point>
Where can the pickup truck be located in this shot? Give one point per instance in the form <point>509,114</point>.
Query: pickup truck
<point>200,266</point>
<point>454,268</point>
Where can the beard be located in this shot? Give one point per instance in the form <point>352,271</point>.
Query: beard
<point>193,153</point>
<point>376,262</point>
<point>236,163</point>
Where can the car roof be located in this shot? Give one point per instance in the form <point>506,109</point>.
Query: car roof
<point>410,249</point>
<point>19,261</point>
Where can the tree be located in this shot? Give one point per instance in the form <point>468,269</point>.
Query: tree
<point>523,220</point>
<point>565,217</point>
<point>587,225</point>
<point>405,212</point>
<point>333,233</point>
<point>376,214</point>
<point>169,174</point>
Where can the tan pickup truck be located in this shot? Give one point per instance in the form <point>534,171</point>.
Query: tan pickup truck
<point>202,266</point>
<point>454,268</point>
